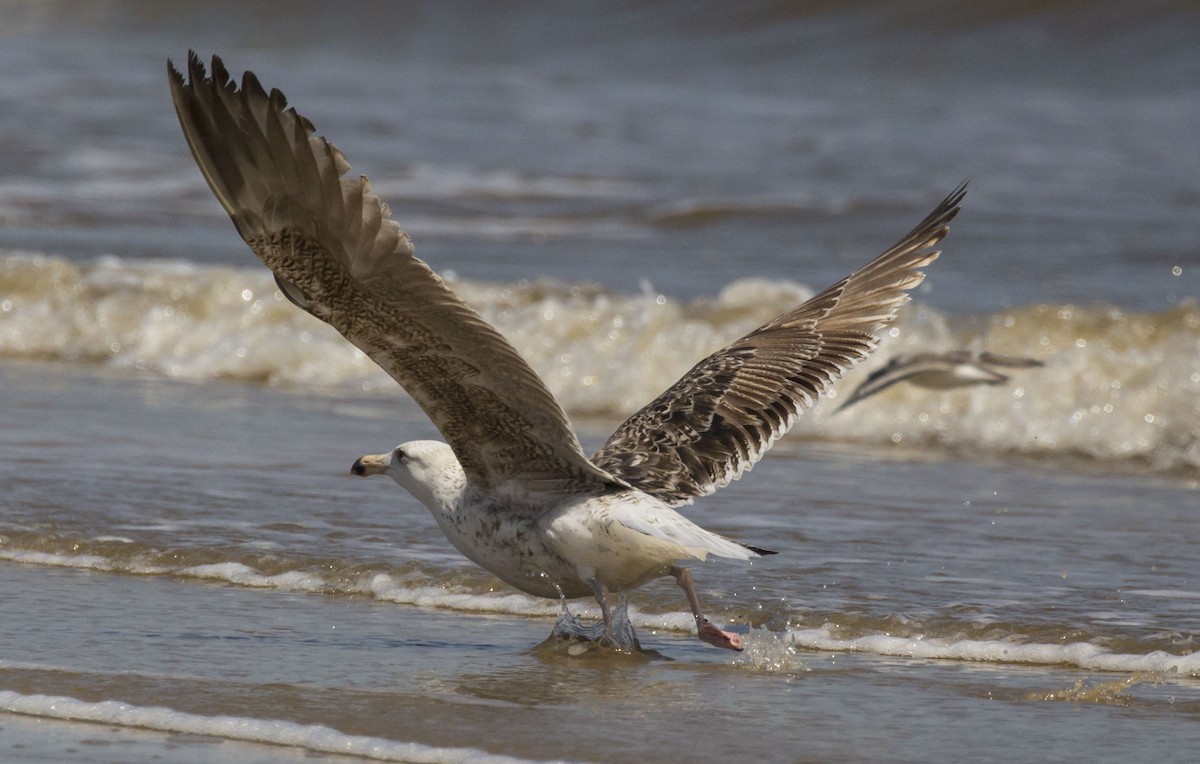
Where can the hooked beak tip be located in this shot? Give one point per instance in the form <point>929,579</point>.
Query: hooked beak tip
<point>366,466</point>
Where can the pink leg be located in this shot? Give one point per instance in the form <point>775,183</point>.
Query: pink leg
<point>704,627</point>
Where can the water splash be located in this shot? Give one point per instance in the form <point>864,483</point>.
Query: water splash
<point>1112,693</point>
<point>572,636</point>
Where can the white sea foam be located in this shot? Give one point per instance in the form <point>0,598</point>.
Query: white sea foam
<point>244,575</point>
<point>767,651</point>
<point>1115,385</point>
<point>82,561</point>
<point>309,737</point>
<point>1084,655</point>
<point>381,586</point>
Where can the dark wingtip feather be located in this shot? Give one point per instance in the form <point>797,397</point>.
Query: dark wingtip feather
<point>759,550</point>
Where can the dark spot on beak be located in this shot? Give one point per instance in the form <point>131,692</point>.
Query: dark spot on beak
<point>357,468</point>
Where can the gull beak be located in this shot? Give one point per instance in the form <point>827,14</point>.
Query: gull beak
<point>371,464</point>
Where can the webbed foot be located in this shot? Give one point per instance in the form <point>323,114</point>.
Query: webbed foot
<point>714,636</point>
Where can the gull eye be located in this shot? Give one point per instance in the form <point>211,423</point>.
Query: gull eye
<point>399,454</point>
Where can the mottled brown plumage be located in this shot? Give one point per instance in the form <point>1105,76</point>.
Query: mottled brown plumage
<point>721,417</point>
<point>511,487</point>
<point>338,255</point>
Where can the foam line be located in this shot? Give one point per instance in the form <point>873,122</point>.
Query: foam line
<point>309,737</point>
<point>1082,655</point>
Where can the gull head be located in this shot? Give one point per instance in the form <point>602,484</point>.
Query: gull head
<point>427,469</point>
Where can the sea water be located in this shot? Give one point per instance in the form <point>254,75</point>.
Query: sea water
<point>190,573</point>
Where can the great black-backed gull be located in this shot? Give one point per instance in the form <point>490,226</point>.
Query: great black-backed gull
<point>511,487</point>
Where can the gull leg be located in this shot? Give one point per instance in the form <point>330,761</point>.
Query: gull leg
<point>704,627</point>
<point>602,594</point>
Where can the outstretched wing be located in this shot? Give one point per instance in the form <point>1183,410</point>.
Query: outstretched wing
<point>721,417</point>
<point>336,253</point>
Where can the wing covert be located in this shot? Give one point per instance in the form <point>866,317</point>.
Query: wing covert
<point>722,415</point>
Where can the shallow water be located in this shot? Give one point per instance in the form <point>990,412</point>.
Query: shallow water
<point>994,574</point>
<point>235,576</point>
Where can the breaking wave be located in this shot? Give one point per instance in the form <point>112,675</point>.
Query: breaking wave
<point>1115,385</point>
